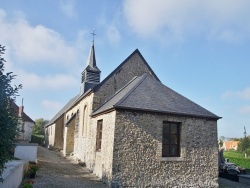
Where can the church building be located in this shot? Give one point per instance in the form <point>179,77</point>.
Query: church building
<point>133,131</point>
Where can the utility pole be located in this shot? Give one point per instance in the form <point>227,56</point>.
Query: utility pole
<point>245,134</point>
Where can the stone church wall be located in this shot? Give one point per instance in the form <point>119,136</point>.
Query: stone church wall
<point>59,126</point>
<point>82,141</point>
<point>138,162</point>
<point>101,161</point>
<point>133,67</point>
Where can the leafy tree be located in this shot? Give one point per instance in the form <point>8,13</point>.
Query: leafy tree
<point>220,143</point>
<point>244,144</point>
<point>8,120</point>
<point>222,138</point>
<point>38,128</point>
<point>236,139</point>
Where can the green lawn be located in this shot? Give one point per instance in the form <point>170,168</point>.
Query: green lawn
<point>238,159</point>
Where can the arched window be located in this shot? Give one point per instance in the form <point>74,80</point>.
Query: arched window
<point>85,120</point>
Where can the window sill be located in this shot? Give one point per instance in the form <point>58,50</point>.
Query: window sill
<point>172,159</point>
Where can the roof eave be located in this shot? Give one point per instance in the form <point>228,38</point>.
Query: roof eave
<point>166,112</point>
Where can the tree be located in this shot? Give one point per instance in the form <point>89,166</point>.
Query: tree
<point>38,128</point>
<point>220,143</point>
<point>8,120</point>
<point>244,144</point>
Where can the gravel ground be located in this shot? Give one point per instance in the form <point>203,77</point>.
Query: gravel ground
<point>58,171</point>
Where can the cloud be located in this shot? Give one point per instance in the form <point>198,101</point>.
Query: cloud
<point>68,8</point>
<point>35,44</point>
<point>51,105</point>
<point>40,46</point>
<point>225,20</point>
<point>113,34</point>
<point>47,82</point>
<point>243,94</point>
<point>245,110</point>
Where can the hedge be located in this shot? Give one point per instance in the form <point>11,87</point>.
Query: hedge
<point>37,139</point>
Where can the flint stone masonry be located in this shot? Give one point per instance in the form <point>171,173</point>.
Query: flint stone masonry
<point>133,67</point>
<point>137,160</point>
<point>101,161</point>
<point>131,145</point>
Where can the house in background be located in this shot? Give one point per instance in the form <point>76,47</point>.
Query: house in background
<point>230,145</point>
<point>133,131</point>
<point>25,123</point>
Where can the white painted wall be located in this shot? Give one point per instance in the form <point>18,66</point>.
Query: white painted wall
<point>28,130</point>
<point>13,173</point>
<point>26,151</point>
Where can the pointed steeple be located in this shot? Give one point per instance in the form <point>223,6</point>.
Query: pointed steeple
<point>92,61</point>
<point>91,74</point>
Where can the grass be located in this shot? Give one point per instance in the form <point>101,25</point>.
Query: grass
<point>238,159</point>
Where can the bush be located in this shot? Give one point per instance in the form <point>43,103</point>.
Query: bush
<point>37,139</point>
<point>8,120</point>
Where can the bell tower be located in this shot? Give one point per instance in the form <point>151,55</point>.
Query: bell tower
<point>91,74</point>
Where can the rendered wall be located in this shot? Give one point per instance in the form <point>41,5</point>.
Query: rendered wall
<point>138,161</point>
<point>59,126</point>
<point>14,173</point>
<point>26,151</point>
<point>82,137</point>
<point>28,130</point>
<point>50,136</point>
<point>68,147</point>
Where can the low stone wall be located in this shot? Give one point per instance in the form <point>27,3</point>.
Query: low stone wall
<point>13,173</point>
<point>26,151</point>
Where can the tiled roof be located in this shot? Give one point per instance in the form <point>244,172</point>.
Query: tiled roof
<point>230,144</point>
<point>63,110</point>
<point>25,117</point>
<point>145,93</point>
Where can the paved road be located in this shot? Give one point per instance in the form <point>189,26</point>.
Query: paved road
<point>225,183</point>
<point>57,171</point>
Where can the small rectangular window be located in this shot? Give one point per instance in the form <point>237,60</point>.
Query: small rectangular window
<point>171,139</point>
<point>99,135</point>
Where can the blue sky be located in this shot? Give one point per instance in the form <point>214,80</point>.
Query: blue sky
<point>200,49</point>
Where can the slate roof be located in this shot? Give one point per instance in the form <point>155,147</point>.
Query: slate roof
<point>91,65</point>
<point>145,93</point>
<point>63,110</point>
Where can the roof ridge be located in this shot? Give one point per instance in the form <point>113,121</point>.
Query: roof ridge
<point>132,89</point>
<point>112,96</point>
<point>119,66</point>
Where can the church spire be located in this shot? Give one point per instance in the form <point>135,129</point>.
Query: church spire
<point>91,60</point>
<point>91,74</point>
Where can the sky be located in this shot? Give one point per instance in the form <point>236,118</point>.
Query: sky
<point>201,49</point>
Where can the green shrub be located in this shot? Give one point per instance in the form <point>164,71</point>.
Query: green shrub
<point>8,120</point>
<point>37,139</point>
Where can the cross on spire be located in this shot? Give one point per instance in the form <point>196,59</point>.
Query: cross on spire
<point>93,33</point>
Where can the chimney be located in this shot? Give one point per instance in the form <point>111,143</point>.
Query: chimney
<point>20,114</point>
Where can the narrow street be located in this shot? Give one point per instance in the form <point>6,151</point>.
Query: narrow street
<point>57,171</point>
